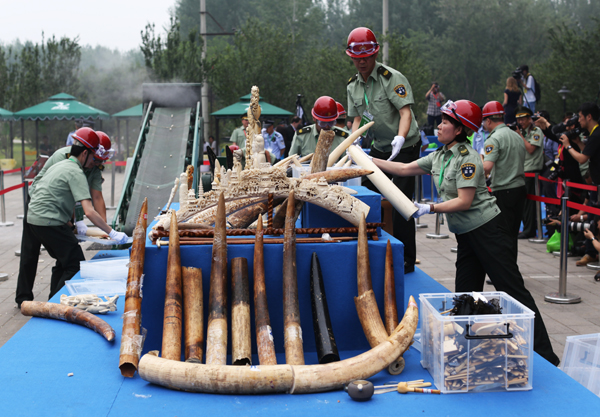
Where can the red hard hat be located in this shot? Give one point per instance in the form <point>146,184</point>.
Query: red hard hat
<point>325,109</point>
<point>87,137</point>
<point>464,111</point>
<point>362,43</point>
<point>105,150</point>
<point>340,109</point>
<point>234,147</point>
<point>492,108</point>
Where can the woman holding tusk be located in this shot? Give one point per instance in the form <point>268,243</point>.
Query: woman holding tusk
<point>484,243</point>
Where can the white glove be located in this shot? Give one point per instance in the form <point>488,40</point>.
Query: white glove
<point>397,144</point>
<point>81,228</point>
<point>119,237</point>
<point>422,209</point>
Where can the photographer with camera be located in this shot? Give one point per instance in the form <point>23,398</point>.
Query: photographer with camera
<point>527,82</point>
<point>588,117</point>
<point>434,98</point>
<point>590,236</point>
<point>534,163</point>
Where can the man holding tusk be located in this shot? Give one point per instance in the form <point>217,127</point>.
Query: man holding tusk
<point>325,114</point>
<point>49,213</point>
<point>381,94</point>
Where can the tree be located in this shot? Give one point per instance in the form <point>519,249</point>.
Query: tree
<point>175,58</point>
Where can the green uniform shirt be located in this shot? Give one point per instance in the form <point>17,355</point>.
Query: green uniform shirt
<point>464,170</point>
<point>57,192</point>
<point>506,150</point>
<point>386,91</point>
<point>535,161</point>
<point>94,175</point>
<point>305,140</point>
<point>239,137</point>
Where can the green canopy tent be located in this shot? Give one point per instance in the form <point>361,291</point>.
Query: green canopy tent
<point>6,115</point>
<point>58,107</point>
<point>127,114</point>
<point>236,110</point>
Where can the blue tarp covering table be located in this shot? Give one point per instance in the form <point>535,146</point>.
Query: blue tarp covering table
<point>35,363</point>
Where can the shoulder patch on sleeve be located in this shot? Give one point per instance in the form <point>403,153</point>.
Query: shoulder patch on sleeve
<point>400,89</point>
<point>468,170</point>
<point>536,137</point>
<point>304,130</point>
<point>463,150</point>
<point>489,149</point>
<point>353,78</point>
<point>340,132</point>
<point>384,72</point>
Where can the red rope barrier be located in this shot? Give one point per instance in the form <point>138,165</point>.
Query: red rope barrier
<point>587,209</point>
<point>547,200</point>
<point>582,186</point>
<point>532,175</point>
<point>12,171</point>
<point>14,187</point>
<point>117,163</point>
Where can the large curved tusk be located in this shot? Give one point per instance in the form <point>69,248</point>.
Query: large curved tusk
<point>216,331</point>
<point>337,152</point>
<point>69,314</point>
<point>193,313</point>
<point>173,315</point>
<point>320,159</point>
<point>387,188</point>
<point>268,379</point>
<point>338,175</point>
<point>131,336</point>
<point>241,351</point>
<point>292,338</point>
<point>390,308</point>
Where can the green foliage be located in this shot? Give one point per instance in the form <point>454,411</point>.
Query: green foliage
<point>175,59</point>
<point>573,63</point>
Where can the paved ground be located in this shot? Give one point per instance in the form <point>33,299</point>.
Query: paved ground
<point>539,269</point>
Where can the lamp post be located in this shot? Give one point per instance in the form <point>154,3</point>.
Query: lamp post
<point>563,93</point>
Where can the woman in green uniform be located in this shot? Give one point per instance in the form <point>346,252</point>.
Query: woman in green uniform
<point>484,243</point>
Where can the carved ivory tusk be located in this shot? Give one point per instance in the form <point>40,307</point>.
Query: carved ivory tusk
<point>295,379</point>
<point>337,152</point>
<point>387,188</point>
<point>264,333</point>
<point>131,337</point>
<point>216,338</point>
<point>320,159</point>
<point>292,337</point>
<point>241,351</point>
<point>172,325</point>
<point>69,314</point>
<point>193,308</point>
<point>390,308</point>
<point>173,192</point>
<point>339,175</point>
<point>341,162</point>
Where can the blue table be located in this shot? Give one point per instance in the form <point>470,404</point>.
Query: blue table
<point>34,364</point>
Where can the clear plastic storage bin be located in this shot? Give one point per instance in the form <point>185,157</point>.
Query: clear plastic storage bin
<point>481,353</point>
<point>581,360</point>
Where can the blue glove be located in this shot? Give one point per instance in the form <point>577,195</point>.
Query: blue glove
<point>119,237</point>
<point>422,209</point>
<point>397,144</point>
<point>81,228</point>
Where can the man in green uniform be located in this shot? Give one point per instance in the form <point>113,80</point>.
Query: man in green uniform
<point>504,159</point>
<point>381,94</point>
<point>52,204</point>
<point>533,138</point>
<point>239,135</point>
<point>325,113</point>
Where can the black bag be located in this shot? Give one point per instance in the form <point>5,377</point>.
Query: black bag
<point>537,90</point>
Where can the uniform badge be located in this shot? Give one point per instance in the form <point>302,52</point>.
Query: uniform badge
<point>489,149</point>
<point>468,170</point>
<point>400,89</point>
<point>536,137</point>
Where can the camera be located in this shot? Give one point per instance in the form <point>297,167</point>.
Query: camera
<point>518,74</point>
<point>561,127</point>
<point>513,126</point>
<point>580,227</point>
<point>536,116</point>
<point>572,134</point>
<point>554,170</point>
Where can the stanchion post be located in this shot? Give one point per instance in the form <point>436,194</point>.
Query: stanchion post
<point>21,216</point>
<point>538,213</point>
<point>437,234</point>
<point>2,203</point>
<point>418,190</point>
<point>112,186</point>
<point>562,297</point>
